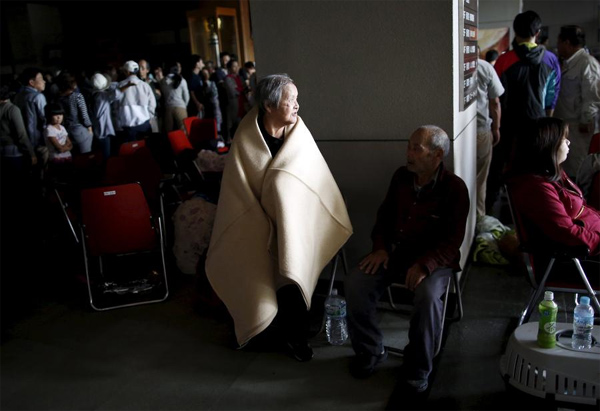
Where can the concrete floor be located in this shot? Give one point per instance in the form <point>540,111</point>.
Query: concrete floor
<point>179,355</point>
<point>58,354</point>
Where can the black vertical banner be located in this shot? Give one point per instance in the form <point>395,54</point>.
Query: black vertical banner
<point>468,22</point>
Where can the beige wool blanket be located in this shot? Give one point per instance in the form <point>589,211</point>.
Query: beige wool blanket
<point>279,221</point>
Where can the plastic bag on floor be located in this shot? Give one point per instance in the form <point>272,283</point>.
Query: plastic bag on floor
<point>490,233</point>
<point>487,251</point>
<point>193,221</point>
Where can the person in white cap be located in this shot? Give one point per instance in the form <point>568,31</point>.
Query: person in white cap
<point>103,95</point>
<point>137,104</point>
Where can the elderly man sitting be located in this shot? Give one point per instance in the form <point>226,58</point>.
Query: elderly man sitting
<point>280,219</point>
<point>416,239</point>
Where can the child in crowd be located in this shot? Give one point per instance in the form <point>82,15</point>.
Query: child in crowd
<point>56,136</point>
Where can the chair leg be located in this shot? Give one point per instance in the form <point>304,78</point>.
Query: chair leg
<point>333,271</point>
<point>459,304</point>
<point>341,254</point>
<point>587,284</point>
<point>87,270</point>
<point>163,260</point>
<point>439,345</point>
<point>64,211</point>
<point>394,350</point>
<point>525,313</point>
<point>344,261</point>
<point>391,299</point>
<point>536,295</point>
<point>199,171</point>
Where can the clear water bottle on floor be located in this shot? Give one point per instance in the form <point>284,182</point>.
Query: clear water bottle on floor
<point>335,320</point>
<point>583,323</point>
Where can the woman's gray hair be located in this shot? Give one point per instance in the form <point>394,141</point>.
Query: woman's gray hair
<point>439,138</point>
<point>269,90</point>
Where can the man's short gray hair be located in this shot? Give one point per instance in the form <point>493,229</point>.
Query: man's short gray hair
<point>439,138</point>
<point>269,90</point>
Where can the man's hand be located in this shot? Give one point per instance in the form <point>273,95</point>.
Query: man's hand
<point>126,86</point>
<point>370,264</point>
<point>495,136</point>
<point>415,274</point>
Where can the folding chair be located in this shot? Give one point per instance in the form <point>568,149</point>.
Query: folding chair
<point>184,154</point>
<point>139,167</point>
<point>117,224</point>
<point>396,307</point>
<point>188,160</point>
<point>203,134</point>
<point>131,147</point>
<point>187,124</point>
<point>540,258</point>
<point>160,147</point>
<point>88,168</point>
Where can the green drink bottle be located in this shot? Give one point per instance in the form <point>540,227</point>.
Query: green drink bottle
<point>546,337</point>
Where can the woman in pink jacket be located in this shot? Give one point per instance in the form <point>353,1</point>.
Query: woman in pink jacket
<point>552,207</point>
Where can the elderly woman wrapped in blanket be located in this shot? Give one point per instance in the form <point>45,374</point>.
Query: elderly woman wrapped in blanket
<point>280,219</point>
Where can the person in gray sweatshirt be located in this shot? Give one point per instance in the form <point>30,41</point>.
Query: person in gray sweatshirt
<point>176,96</point>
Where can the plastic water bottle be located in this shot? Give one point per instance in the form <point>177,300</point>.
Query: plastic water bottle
<point>583,323</point>
<point>546,337</point>
<point>335,322</point>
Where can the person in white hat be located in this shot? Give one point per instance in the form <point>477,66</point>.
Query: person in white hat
<point>103,95</point>
<point>137,104</point>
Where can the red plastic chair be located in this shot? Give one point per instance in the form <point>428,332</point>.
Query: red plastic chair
<point>117,225</point>
<point>88,168</point>
<point>140,167</point>
<point>201,131</point>
<point>131,147</point>
<point>185,154</point>
<point>179,142</point>
<point>187,124</point>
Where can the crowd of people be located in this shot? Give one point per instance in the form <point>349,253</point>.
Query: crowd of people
<point>526,83</point>
<point>75,113</point>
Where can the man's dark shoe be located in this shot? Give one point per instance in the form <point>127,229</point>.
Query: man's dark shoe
<point>411,384</point>
<point>363,365</point>
<point>300,350</point>
<point>417,386</point>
